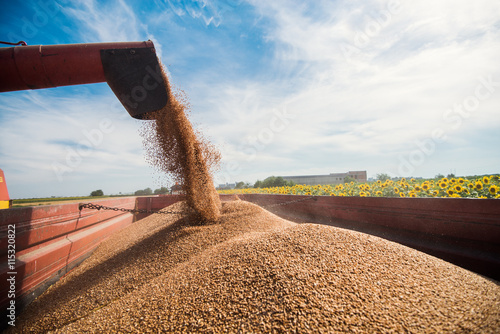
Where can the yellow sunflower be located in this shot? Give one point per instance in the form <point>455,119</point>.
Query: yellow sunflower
<point>493,189</point>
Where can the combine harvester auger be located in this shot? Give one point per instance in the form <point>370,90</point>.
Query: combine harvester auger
<point>131,70</point>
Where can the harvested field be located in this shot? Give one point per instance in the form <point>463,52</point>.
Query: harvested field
<point>255,272</point>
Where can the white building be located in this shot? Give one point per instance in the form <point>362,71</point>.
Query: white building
<point>332,178</point>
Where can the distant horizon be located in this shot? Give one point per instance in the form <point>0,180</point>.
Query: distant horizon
<point>375,177</point>
<point>131,193</point>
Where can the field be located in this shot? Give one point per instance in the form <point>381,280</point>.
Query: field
<point>52,200</point>
<point>469,187</point>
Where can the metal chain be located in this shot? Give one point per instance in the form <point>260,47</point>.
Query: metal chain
<point>102,207</point>
<point>18,43</point>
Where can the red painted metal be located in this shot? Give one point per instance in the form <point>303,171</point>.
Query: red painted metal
<point>45,66</point>
<point>4,193</point>
<point>51,239</point>
<point>156,203</point>
<point>33,267</point>
<point>35,225</point>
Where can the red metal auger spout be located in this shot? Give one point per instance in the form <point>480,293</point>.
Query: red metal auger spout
<point>131,69</point>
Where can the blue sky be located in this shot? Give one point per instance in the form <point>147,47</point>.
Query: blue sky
<point>281,87</point>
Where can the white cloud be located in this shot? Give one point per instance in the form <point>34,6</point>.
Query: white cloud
<point>364,88</point>
<point>69,144</point>
<point>210,12</point>
<point>393,91</point>
<point>112,22</point>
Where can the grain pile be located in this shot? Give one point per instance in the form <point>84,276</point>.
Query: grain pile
<point>173,147</point>
<point>255,272</point>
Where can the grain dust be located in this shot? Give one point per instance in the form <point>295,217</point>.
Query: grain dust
<point>255,272</point>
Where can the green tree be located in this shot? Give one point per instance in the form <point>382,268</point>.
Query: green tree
<point>160,191</point>
<point>349,179</point>
<point>144,192</point>
<point>439,176</point>
<point>383,177</point>
<point>279,182</point>
<point>269,182</point>
<point>258,184</point>
<point>97,193</point>
<point>273,181</point>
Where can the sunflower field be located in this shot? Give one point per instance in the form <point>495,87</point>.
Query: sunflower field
<point>481,187</point>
